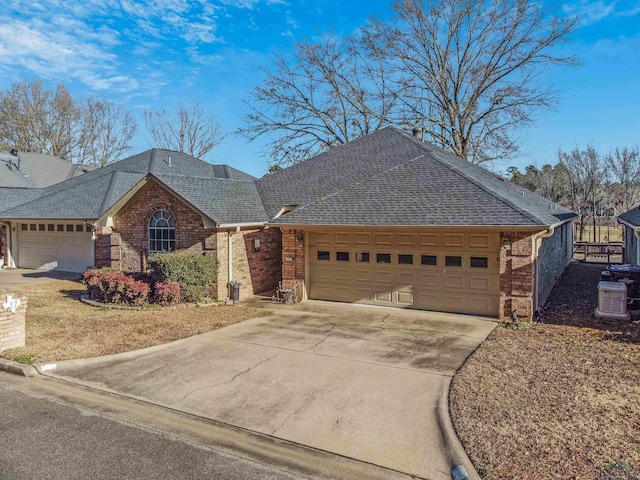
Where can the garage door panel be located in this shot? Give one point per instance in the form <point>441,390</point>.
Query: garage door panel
<point>407,278</point>
<point>429,280</point>
<point>405,298</point>
<point>342,274</point>
<point>384,297</point>
<point>385,277</point>
<point>453,281</point>
<point>323,273</point>
<point>363,275</point>
<point>479,283</point>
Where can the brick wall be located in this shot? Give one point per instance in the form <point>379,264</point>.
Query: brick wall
<point>132,222</point>
<point>554,255</point>
<point>516,276</point>
<point>12,325</point>
<point>293,259</point>
<point>257,270</point>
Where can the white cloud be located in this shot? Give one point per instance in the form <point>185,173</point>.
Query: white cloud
<point>101,42</point>
<point>589,12</point>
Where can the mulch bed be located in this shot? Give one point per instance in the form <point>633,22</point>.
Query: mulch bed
<point>557,400</point>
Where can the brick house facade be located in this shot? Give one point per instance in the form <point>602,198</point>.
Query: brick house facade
<point>125,245</point>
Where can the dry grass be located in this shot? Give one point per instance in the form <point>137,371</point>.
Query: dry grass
<point>612,234</point>
<point>558,400</point>
<point>60,327</point>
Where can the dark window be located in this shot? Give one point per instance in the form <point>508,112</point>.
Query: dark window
<point>451,261</point>
<point>41,227</point>
<point>383,257</point>
<point>79,228</point>
<point>162,232</point>
<point>32,227</point>
<point>87,228</point>
<point>429,260</point>
<point>322,255</point>
<point>479,262</point>
<point>23,226</point>
<point>69,228</point>
<point>60,227</point>
<point>342,256</point>
<point>362,257</point>
<point>51,227</point>
<point>405,259</point>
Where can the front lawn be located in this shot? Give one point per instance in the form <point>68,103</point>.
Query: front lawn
<point>558,400</point>
<point>60,327</point>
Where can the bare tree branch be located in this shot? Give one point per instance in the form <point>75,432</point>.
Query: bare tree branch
<point>472,68</point>
<point>188,130</point>
<point>89,132</point>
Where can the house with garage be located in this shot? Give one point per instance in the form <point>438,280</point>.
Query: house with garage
<point>22,177</point>
<point>384,220</point>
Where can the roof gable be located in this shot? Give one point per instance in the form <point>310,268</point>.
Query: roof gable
<point>223,200</point>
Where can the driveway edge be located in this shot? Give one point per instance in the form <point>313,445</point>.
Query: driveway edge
<point>16,368</point>
<point>461,466</point>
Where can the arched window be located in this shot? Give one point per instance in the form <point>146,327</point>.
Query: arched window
<point>162,232</point>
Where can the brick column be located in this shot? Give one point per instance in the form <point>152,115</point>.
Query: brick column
<point>516,276</point>
<point>12,325</point>
<point>293,242</point>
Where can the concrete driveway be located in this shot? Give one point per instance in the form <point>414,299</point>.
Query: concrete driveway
<point>362,382</point>
<point>18,277</point>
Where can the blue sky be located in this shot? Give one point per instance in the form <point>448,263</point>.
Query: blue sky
<point>154,54</point>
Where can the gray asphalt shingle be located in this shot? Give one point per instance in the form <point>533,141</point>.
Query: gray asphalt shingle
<point>391,178</point>
<point>213,189</point>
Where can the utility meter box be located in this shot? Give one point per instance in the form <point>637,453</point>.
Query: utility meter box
<point>612,300</point>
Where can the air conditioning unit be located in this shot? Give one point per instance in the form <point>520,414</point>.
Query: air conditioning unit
<point>612,300</point>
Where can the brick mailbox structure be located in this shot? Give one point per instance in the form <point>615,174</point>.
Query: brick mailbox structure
<point>13,313</point>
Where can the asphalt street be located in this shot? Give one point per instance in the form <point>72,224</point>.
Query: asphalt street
<point>42,438</point>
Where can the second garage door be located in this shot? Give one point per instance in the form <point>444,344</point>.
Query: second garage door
<point>443,271</point>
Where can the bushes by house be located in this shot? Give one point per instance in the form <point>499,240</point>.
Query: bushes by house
<point>174,277</point>
<point>109,286</point>
<point>194,272</point>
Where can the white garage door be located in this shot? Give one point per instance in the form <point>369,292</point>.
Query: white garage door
<point>449,272</point>
<point>67,247</point>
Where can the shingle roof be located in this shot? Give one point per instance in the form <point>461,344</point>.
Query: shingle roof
<point>632,217</point>
<point>210,189</point>
<point>390,178</point>
<point>36,170</point>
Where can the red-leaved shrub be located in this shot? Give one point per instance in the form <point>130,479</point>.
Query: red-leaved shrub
<point>109,286</point>
<point>166,293</point>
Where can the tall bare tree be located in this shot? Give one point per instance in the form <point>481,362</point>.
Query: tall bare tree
<point>469,69</point>
<point>584,169</point>
<point>187,130</point>
<point>90,132</point>
<point>330,93</point>
<point>624,168</point>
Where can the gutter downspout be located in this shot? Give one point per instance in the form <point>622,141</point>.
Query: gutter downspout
<point>230,256</point>
<point>538,243</point>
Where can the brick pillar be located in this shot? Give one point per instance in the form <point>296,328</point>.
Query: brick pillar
<point>115,253</point>
<point>222,254</point>
<point>516,276</point>
<point>12,325</point>
<point>293,242</point>
<point>3,243</point>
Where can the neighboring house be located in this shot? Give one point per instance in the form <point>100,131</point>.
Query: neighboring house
<point>385,220</point>
<point>630,220</point>
<point>24,174</point>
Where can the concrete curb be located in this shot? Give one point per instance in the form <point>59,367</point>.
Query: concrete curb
<point>461,466</point>
<point>17,368</point>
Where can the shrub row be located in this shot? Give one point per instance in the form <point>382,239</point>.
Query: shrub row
<point>108,286</point>
<point>172,277</point>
